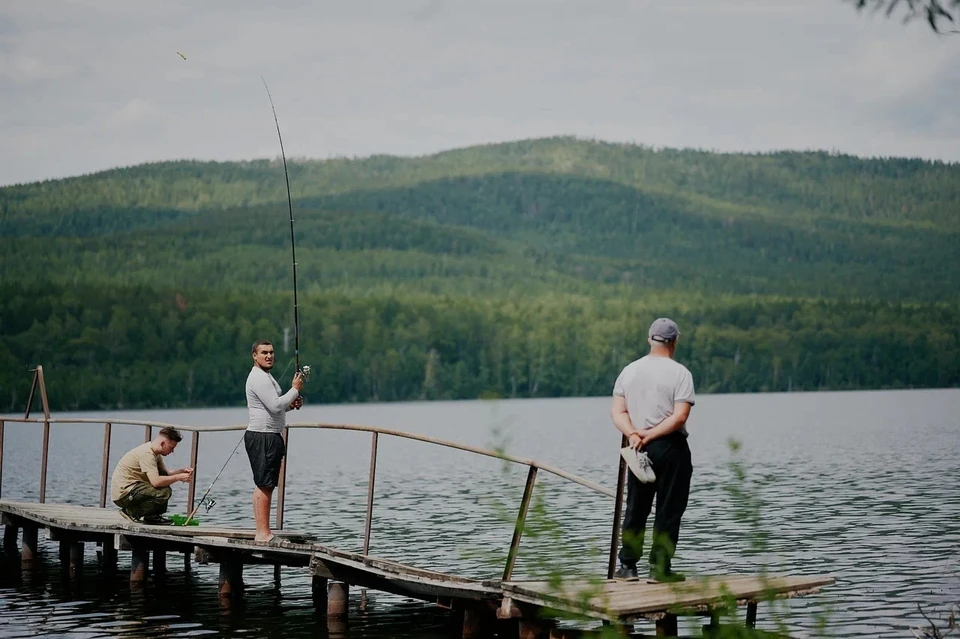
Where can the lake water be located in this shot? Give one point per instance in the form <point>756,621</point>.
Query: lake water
<point>864,486</point>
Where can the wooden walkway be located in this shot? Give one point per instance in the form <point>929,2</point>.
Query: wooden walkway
<point>333,571</point>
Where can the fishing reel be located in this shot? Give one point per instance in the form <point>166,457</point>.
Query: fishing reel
<point>305,373</point>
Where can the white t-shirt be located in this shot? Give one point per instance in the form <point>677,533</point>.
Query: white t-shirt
<point>651,386</point>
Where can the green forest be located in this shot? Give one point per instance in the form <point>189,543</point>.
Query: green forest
<point>525,269</point>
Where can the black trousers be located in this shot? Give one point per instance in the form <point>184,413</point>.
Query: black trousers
<point>671,463</point>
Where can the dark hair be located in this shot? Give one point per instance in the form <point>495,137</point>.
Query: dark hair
<point>259,343</point>
<point>171,433</point>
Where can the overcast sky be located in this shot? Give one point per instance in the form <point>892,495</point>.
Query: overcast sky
<point>87,85</point>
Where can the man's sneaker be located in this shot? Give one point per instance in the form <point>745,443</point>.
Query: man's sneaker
<point>639,464</point>
<point>128,516</point>
<point>666,576</point>
<point>646,466</point>
<point>626,573</point>
<point>158,520</point>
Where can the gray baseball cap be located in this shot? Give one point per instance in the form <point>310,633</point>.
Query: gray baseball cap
<point>663,329</point>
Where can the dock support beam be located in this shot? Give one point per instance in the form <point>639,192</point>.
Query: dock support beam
<point>338,597</point>
<point>231,578</point>
<point>28,554</point>
<point>64,553</point>
<point>10,535</point>
<point>139,558</point>
<point>318,585</point>
<point>160,564</point>
<point>108,557</point>
<point>667,627</point>
<point>475,623</point>
<point>751,614</point>
<point>76,558</point>
<point>533,629</point>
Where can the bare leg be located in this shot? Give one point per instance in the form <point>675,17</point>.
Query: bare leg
<point>261,512</point>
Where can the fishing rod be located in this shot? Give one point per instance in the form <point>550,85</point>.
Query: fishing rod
<point>203,499</point>
<point>303,370</point>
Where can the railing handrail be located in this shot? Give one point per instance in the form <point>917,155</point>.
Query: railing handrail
<point>325,426</point>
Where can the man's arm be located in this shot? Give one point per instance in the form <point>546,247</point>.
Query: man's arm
<point>151,467</point>
<point>681,411</point>
<point>267,394</point>
<point>621,419</point>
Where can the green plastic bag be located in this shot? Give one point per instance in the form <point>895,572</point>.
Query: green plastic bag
<point>179,520</point>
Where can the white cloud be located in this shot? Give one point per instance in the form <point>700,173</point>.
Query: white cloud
<point>134,112</point>
<point>412,77</point>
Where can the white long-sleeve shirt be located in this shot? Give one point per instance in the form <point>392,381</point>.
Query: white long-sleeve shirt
<point>266,406</point>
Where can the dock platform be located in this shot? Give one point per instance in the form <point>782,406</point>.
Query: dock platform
<point>334,571</point>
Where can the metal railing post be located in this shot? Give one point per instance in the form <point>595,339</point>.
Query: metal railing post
<point>617,511</point>
<point>281,487</point>
<point>107,428</point>
<point>192,490</point>
<point>521,521</point>
<point>1,457</point>
<point>46,434</point>
<point>147,433</point>
<point>371,482</point>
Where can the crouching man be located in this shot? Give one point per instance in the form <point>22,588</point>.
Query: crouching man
<point>141,483</point>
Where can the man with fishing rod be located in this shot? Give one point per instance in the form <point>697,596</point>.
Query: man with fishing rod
<point>263,439</point>
<point>652,398</point>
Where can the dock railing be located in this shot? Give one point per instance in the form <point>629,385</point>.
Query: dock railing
<point>533,466</point>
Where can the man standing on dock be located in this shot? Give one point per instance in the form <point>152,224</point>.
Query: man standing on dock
<point>652,398</point>
<point>267,409</point>
<point>140,485</point>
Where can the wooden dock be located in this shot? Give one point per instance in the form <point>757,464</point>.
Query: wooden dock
<point>501,606</point>
<point>482,602</point>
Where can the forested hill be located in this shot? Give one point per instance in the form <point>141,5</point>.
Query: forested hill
<point>518,269</point>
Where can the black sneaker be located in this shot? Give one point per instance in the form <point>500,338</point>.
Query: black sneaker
<point>626,573</point>
<point>666,576</point>
<point>128,516</point>
<point>158,520</point>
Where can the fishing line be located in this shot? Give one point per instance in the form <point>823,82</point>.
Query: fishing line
<point>304,370</point>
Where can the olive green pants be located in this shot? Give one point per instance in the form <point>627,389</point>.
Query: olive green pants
<point>143,500</point>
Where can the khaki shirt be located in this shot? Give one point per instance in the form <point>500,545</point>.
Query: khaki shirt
<point>133,468</point>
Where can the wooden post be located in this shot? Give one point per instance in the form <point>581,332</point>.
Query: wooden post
<point>28,554</point>
<point>192,489</point>
<point>751,614</point>
<point>160,564</point>
<point>231,577</point>
<point>76,558</point>
<point>108,557</point>
<point>371,482</point>
<point>473,624</point>
<point>147,433</point>
<point>617,512</point>
<point>532,629</point>
<point>10,534</point>
<point>105,466</point>
<point>1,457</point>
<point>338,595</point>
<point>667,627</point>
<point>318,585</point>
<point>139,558</point>
<point>521,521</point>
<point>64,554</point>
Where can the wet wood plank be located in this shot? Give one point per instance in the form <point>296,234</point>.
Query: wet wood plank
<point>624,599</point>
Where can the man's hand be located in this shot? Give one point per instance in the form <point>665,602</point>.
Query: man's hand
<point>646,437</point>
<point>185,476</point>
<point>296,404</point>
<point>635,440</point>
<point>298,381</point>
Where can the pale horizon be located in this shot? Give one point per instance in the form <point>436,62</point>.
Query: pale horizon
<point>94,85</point>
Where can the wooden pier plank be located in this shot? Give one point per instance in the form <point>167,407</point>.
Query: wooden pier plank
<point>622,599</point>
